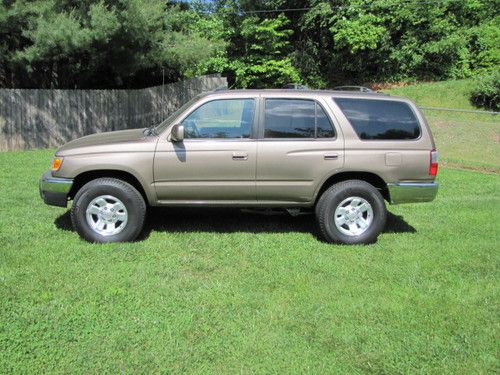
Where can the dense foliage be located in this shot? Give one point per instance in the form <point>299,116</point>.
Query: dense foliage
<point>359,41</point>
<point>97,43</point>
<point>132,43</point>
<point>487,93</point>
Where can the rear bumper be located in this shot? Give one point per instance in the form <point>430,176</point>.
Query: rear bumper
<point>412,192</point>
<point>54,190</point>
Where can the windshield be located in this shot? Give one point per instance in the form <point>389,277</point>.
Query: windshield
<point>165,123</point>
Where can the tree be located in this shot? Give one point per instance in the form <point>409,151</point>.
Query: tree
<point>261,57</point>
<point>359,41</point>
<point>130,43</point>
<point>114,43</point>
<point>365,40</point>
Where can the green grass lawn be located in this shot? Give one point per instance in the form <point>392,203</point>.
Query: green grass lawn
<point>464,140</point>
<point>221,291</point>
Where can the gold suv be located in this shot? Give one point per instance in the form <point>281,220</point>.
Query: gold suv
<point>339,153</point>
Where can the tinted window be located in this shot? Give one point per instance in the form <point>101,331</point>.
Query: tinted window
<point>380,119</point>
<point>296,118</point>
<point>225,118</point>
<point>324,128</point>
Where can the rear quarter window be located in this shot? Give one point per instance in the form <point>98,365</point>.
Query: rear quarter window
<point>380,119</point>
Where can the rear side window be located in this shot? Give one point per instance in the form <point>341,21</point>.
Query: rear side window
<point>380,119</point>
<point>296,118</point>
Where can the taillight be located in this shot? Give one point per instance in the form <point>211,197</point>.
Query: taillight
<point>433,166</point>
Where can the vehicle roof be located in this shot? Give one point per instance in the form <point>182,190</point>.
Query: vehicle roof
<point>307,92</point>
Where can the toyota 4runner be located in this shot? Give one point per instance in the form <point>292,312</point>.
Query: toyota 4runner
<point>339,153</point>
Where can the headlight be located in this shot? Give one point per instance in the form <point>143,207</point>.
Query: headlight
<point>56,163</point>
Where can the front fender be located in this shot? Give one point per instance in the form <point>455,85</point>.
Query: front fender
<point>137,164</point>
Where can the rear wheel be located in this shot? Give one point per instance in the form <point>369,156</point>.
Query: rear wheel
<point>351,212</point>
<point>108,210</point>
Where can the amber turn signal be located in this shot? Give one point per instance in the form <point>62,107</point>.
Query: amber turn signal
<point>56,164</point>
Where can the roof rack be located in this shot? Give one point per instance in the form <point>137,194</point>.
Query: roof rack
<point>353,88</point>
<point>295,86</point>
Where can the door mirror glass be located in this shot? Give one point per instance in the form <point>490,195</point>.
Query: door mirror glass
<point>177,133</point>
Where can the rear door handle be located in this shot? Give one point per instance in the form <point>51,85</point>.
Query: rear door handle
<point>330,156</point>
<point>240,156</point>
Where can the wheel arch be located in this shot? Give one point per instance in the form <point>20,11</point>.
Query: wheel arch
<point>372,178</point>
<point>87,176</point>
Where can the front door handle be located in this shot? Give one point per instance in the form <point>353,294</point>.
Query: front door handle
<point>330,156</point>
<point>240,156</point>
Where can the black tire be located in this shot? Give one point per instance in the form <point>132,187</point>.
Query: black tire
<point>126,193</point>
<point>332,198</point>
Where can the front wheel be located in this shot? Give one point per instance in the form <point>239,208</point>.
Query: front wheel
<point>351,212</point>
<point>108,210</point>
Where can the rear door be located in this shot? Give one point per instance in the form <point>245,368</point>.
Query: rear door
<point>299,146</point>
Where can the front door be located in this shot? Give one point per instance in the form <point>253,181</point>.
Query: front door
<point>216,162</point>
<point>298,148</point>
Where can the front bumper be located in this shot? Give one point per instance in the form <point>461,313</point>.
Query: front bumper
<point>412,192</point>
<point>54,190</point>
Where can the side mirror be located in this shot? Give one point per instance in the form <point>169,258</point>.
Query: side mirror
<point>177,133</point>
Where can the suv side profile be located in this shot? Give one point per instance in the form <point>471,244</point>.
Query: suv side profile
<point>341,154</point>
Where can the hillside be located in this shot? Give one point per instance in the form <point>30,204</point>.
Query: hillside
<point>464,140</point>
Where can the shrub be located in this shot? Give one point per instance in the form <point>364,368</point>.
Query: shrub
<point>487,92</point>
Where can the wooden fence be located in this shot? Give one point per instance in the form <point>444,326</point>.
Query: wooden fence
<point>48,118</point>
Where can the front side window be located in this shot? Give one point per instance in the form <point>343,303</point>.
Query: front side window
<point>224,118</point>
<point>380,119</point>
<point>296,118</point>
<point>165,123</point>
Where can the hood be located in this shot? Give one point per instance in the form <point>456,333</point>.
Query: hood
<point>104,139</point>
